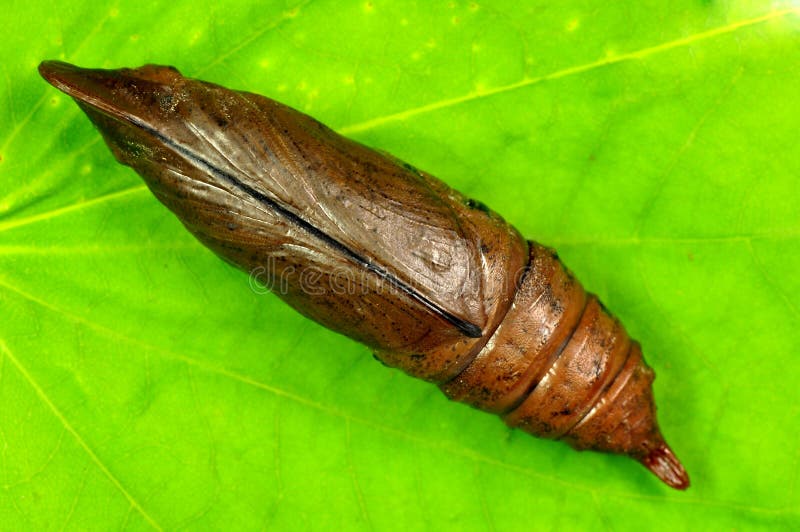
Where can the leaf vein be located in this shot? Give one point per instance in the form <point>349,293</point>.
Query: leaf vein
<point>12,224</point>
<point>351,469</point>
<point>271,25</point>
<point>78,438</point>
<point>563,73</point>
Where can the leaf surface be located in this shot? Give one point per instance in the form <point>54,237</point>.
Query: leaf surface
<point>145,384</point>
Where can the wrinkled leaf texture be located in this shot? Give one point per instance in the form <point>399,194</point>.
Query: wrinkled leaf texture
<point>143,384</point>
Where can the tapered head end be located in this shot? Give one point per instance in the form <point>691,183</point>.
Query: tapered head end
<point>51,69</point>
<point>89,86</point>
<point>61,75</point>
<point>666,466</point>
<point>120,93</point>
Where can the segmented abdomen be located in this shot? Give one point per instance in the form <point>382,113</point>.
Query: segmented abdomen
<point>549,366</point>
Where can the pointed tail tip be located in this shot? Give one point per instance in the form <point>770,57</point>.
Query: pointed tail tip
<point>665,465</point>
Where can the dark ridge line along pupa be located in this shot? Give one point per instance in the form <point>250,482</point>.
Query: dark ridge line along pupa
<point>446,290</point>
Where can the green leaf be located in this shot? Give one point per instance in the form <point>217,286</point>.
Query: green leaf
<point>143,384</point>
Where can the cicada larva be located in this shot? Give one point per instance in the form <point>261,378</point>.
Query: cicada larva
<point>445,289</point>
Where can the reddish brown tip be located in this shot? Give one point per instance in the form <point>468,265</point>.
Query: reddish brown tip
<point>124,94</point>
<point>666,466</point>
<point>88,86</point>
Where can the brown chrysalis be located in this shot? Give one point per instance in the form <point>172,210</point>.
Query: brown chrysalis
<point>435,283</point>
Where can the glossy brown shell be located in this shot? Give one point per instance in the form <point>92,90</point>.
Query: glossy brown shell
<point>435,283</point>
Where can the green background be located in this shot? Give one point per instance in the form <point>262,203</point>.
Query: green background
<point>143,384</point>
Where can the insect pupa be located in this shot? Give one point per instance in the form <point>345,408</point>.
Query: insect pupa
<point>447,290</point>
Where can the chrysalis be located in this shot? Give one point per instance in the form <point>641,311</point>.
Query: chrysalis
<point>435,283</point>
